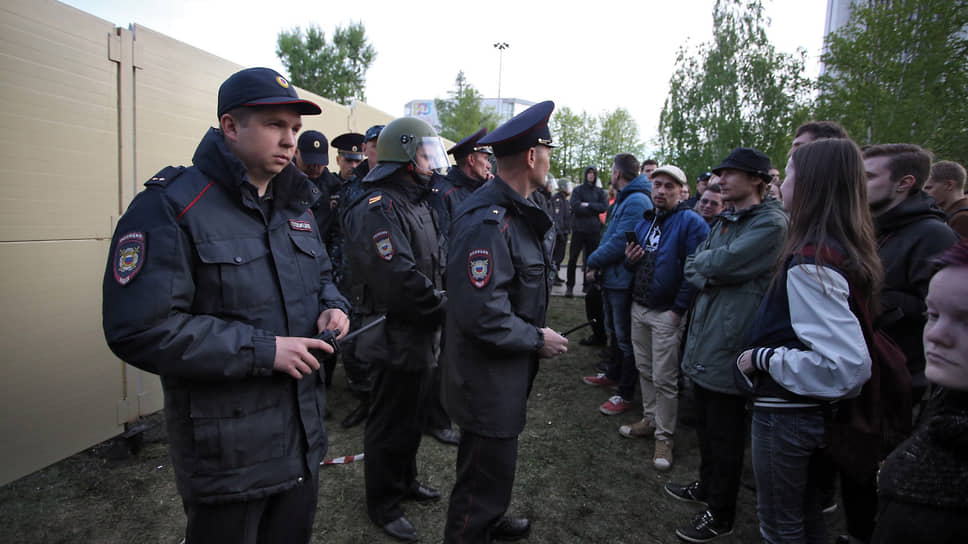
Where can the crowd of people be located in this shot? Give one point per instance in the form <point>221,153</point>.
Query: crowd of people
<point>238,278</point>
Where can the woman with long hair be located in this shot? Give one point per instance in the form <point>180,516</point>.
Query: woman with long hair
<point>808,344</point>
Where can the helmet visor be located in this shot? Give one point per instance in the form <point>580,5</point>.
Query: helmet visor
<point>429,154</point>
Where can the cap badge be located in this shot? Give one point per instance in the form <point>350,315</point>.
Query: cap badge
<point>316,144</point>
<point>282,82</point>
<point>479,267</point>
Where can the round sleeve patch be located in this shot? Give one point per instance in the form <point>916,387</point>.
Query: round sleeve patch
<point>479,267</point>
<point>129,256</point>
<point>383,244</point>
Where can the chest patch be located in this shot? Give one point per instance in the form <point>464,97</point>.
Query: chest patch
<point>300,224</point>
<point>129,256</point>
<point>384,247</point>
<point>479,267</point>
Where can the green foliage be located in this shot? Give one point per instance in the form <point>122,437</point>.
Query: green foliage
<point>334,70</point>
<point>463,113</point>
<point>584,141</point>
<point>898,72</point>
<point>736,90</point>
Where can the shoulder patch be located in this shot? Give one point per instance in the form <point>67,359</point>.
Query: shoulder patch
<point>129,256</point>
<point>384,246</point>
<point>166,175</point>
<point>479,267</point>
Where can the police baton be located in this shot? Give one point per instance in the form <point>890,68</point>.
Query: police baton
<point>329,336</point>
<point>579,327</point>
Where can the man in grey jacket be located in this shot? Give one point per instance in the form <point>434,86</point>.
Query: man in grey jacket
<point>732,270</point>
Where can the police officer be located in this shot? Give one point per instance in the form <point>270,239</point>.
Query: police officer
<point>395,256</point>
<point>473,169</point>
<point>357,370</point>
<point>216,281</point>
<point>349,153</point>
<point>498,277</point>
<point>312,158</point>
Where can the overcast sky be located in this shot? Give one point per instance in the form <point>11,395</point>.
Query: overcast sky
<point>591,56</point>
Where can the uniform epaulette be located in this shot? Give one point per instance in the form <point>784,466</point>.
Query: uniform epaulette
<point>375,200</point>
<point>494,214</point>
<point>165,176</point>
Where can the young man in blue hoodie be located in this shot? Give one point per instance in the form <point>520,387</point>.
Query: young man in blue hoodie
<point>608,261</point>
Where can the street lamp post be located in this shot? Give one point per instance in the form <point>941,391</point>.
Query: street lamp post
<point>500,65</point>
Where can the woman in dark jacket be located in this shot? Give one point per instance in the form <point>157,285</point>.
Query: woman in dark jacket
<point>923,484</point>
<point>808,345</point>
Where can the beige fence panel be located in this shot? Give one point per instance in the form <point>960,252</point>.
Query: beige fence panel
<point>90,112</point>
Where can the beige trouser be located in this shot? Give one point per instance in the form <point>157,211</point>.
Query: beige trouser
<point>655,342</point>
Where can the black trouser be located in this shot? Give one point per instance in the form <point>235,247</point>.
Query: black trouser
<point>437,417</point>
<point>392,437</point>
<point>585,242</point>
<point>595,309</point>
<point>859,493</point>
<point>281,518</point>
<point>721,428</point>
<point>482,492</point>
<point>558,255</point>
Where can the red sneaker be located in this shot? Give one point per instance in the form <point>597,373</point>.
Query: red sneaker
<point>615,405</point>
<point>599,379</point>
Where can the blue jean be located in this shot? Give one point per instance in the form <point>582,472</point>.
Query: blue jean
<point>787,446</point>
<point>618,320</point>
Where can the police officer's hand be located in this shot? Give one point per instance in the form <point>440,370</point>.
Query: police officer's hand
<point>554,344</point>
<point>293,357</point>
<point>633,252</point>
<point>333,319</point>
<point>590,274</point>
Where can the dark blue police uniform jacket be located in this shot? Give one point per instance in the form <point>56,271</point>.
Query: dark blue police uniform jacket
<point>198,285</point>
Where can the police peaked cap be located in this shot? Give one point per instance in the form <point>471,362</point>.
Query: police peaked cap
<point>525,130</point>
<point>469,145</point>
<point>350,145</point>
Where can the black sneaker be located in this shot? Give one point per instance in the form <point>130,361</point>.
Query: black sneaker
<point>687,493</point>
<point>704,528</point>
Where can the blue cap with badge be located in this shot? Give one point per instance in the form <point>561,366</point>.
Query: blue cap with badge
<point>470,145</point>
<point>261,87</point>
<point>373,133</point>
<point>525,130</point>
<point>350,145</point>
<point>313,147</point>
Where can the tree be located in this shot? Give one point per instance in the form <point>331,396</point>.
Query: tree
<point>335,70</point>
<point>462,114</point>
<point>583,141</point>
<point>617,133</point>
<point>736,90</point>
<point>574,135</point>
<point>898,72</point>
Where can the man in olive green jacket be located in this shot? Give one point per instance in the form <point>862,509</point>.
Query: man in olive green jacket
<point>732,269</point>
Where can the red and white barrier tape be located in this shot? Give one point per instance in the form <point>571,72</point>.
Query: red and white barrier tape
<point>346,459</point>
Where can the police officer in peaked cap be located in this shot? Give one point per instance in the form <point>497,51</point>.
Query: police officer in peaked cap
<point>473,169</point>
<point>499,273</point>
<point>349,153</point>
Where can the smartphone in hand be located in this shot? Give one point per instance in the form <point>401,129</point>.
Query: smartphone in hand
<point>631,238</point>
